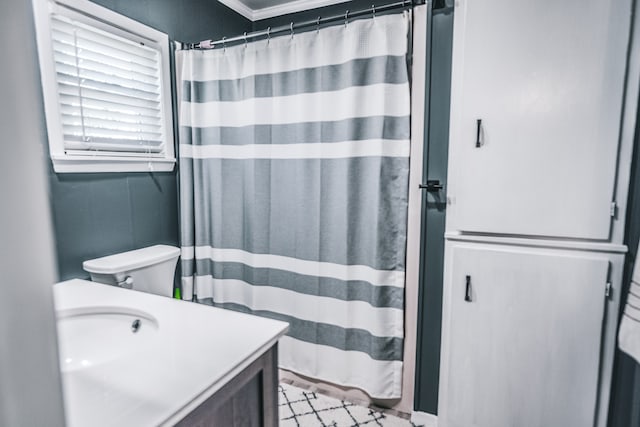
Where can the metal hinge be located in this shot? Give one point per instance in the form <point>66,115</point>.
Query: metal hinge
<point>612,209</point>
<point>607,290</point>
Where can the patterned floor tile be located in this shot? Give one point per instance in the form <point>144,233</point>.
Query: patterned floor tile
<point>302,408</point>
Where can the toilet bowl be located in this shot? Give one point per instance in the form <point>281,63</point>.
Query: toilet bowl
<point>148,269</point>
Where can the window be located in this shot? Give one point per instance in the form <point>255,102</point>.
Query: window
<point>106,89</point>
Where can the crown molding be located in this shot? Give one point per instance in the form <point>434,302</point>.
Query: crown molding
<point>239,7</point>
<point>292,7</point>
<point>277,10</point>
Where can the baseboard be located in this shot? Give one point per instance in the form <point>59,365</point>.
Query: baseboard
<point>424,419</point>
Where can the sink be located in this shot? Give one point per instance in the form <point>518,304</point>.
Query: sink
<point>181,356</point>
<point>97,335</point>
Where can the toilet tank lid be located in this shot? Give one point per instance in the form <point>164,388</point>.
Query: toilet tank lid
<point>131,260</point>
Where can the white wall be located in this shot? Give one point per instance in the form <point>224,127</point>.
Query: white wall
<point>30,391</point>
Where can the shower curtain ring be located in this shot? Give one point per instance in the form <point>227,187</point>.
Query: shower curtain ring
<point>245,39</point>
<point>346,18</point>
<point>318,25</point>
<point>373,10</point>
<point>291,27</point>
<point>224,44</point>
<point>268,35</point>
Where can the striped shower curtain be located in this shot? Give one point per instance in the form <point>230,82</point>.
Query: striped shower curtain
<point>294,163</point>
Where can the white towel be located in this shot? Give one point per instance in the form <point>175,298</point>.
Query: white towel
<point>629,334</point>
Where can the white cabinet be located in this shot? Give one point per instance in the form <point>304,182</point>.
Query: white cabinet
<point>530,228</point>
<point>547,83</point>
<point>526,330</point>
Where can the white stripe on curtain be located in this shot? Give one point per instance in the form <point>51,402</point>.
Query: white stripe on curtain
<point>373,100</point>
<point>331,48</point>
<point>300,266</point>
<point>337,150</point>
<point>294,191</point>
<point>328,364</point>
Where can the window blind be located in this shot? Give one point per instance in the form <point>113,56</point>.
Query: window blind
<point>109,92</point>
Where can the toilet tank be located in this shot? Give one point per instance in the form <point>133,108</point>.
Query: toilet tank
<point>148,269</point>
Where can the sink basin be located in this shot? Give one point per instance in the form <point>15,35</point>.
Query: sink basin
<point>182,354</point>
<point>92,336</point>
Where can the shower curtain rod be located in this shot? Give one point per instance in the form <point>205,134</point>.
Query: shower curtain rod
<point>210,44</point>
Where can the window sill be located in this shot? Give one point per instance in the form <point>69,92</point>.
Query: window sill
<point>110,164</point>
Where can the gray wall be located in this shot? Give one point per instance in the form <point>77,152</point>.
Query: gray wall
<point>101,214</point>
<point>30,391</point>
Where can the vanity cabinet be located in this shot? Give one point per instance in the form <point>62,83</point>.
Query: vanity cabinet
<point>537,97</point>
<point>250,399</point>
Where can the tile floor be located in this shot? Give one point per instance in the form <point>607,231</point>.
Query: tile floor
<point>302,408</point>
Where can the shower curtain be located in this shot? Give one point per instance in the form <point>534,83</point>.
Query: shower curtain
<point>294,163</point>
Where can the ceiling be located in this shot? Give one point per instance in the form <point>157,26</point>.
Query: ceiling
<point>256,10</point>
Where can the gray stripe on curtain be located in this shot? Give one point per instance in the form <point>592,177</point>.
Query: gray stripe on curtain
<point>354,129</point>
<point>349,339</point>
<point>358,72</point>
<point>350,290</point>
<point>310,209</point>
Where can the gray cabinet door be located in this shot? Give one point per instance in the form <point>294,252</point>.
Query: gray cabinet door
<point>547,84</point>
<point>524,349</point>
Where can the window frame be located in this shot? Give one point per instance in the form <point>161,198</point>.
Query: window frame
<point>100,17</point>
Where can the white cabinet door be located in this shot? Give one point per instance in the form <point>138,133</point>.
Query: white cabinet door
<point>547,82</point>
<point>524,351</point>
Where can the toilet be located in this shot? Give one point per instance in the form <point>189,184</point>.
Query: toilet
<point>148,269</point>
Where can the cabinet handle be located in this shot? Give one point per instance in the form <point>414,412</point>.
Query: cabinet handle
<point>478,129</point>
<point>467,290</point>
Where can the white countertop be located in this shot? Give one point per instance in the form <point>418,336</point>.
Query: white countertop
<point>184,353</point>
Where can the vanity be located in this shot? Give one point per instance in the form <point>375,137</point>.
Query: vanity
<point>135,359</point>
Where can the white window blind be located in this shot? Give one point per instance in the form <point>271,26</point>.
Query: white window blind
<point>106,84</point>
<point>109,91</point>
